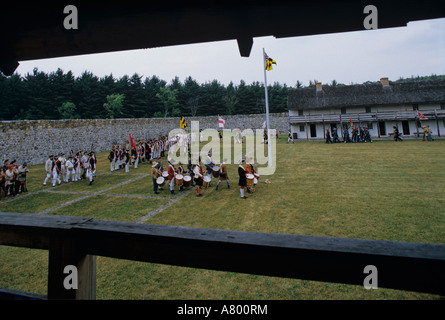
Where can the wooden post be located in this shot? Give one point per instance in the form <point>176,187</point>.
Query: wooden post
<point>437,122</point>
<point>417,126</point>
<point>65,252</point>
<point>378,125</point>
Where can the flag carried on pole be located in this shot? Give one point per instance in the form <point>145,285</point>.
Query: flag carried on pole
<point>132,142</point>
<point>350,121</point>
<point>221,122</point>
<point>421,116</point>
<point>183,123</point>
<point>269,62</point>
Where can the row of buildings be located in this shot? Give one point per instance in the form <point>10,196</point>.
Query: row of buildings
<point>378,106</point>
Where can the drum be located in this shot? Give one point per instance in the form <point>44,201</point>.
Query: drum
<point>250,177</point>
<point>255,181</point>
<point>257,175</point>
<point>187,181</point>
<point>206,181</point>
<point>215,171</point>
<point>178,179</point>
<point>165,174</point>
<point>160,181</point>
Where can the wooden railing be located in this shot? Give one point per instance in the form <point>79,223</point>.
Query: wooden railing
<point>366,117</point>
<point>76,241</point>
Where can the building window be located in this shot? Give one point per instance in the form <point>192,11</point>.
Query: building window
<point>300,112</point>
<point>442,105</point>
<point>369,125</point>
<point>415,107</point>
<point>368,109</point>
<point>343,110</point>
<point>301,128</point>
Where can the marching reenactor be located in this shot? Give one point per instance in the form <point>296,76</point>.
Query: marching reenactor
<point>396,134</point>
<point>48,169</point>
<point>155,174</point>
<point>56,167</point>
<point>328,136</point>
<point>91,167</point>
<point>223,174</point>
<point>171,176</point>
<point>197,172</point>
<point>181,171</point>
<point>112,158</point>
<point>83,164</point>
<point>289,137</point>
<point>69,169</point>
<point>125,159</point>
<point>76,168</point>
<point>242,179</point>
<point>62,160</point>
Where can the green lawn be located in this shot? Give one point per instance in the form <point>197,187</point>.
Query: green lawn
<point>381,190</point>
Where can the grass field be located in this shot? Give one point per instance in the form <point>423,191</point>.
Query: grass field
<point>382,190</point>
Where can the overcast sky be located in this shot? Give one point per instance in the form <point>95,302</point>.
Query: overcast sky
<point>353,57</point>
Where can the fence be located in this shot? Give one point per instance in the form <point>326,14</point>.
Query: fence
<point>76,241</point>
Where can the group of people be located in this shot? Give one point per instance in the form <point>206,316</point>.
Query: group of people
<point>13,179</point>
<point>123,156</point>
<point>80,166</point>
<point>201,175</point>
<point>357,135</point>
<point>427,133</point>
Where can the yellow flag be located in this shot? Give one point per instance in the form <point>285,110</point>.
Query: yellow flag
<point>269,62</point>
<point>183,123</point>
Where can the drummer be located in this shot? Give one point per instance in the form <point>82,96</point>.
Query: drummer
<point>155,173</point>
<point>251,170</point>
<point>197,171</point>
<point>209,165</point>
<point>223,174</point>
<point>181,171</point>
<point>171,176</point>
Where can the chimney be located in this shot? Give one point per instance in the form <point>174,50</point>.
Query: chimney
<point>384,81</point>
<point>319,86</point>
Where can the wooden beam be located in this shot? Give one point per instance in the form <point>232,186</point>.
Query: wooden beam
<point>400,265</point>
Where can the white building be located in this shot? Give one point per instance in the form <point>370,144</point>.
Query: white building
<point>377,106</point>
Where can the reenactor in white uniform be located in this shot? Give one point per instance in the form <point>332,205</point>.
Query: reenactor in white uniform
<point>69,166</point>
<point>56,168</point>
<point>48,169</point>
<point>62,160</point>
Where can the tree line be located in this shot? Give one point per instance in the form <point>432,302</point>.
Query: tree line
<point>60,95</point>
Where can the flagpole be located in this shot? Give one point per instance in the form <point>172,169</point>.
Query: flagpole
<point>269,148</point>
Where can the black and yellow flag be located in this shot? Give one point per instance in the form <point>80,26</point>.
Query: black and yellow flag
<point>269,62</point>
<point>183,123</point>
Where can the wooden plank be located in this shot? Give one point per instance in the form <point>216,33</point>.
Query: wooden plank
<point>400,265</point>
<point>293,256</point>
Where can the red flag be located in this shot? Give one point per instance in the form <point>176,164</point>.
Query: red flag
<point>421,116</point>
<point>221,122</point>
<point>131,142</point>
<point>350,120</point>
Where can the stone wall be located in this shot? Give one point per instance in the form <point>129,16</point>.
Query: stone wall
<point>34,140</point>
